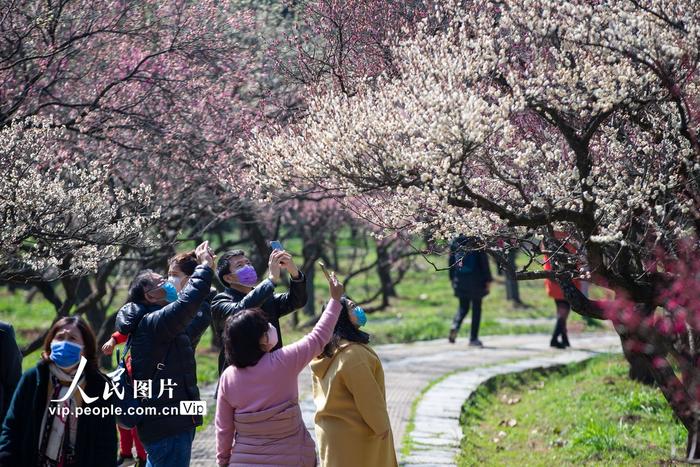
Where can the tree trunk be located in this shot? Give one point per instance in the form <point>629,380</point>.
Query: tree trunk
<point>310,307</point>
<point>311,252</point>
<point>384,273</point>
<point>105,332</point>
<point>216,341</point>
<point>639,366</point>
<point>692,451</point>
<point>512,291</point>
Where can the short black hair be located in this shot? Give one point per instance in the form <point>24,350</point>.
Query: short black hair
<point>136,289</point>
<point>344,329</point>
<point>222,267</point>
<point>242,337</point>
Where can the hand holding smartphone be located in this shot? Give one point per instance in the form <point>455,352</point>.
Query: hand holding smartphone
<point>325,271</point>
<point>336,288</point>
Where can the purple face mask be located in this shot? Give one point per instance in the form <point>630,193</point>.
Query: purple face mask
<point>247,276</point>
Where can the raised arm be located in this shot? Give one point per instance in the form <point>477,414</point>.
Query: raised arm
<point>199,324</point>
<point>224,305</point>
<point>174,318</point>
<point>296,298</point>
<point>299,354</point>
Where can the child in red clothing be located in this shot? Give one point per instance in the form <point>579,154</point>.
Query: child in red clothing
<point>127,437</point>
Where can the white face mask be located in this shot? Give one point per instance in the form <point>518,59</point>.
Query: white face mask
<point>175,281</point>
<point>272,337</point>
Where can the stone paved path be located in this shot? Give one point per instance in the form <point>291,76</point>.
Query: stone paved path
<point>409,368</point>
<point>437,434</point>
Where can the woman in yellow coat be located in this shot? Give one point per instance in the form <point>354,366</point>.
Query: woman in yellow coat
<point>352,422</point>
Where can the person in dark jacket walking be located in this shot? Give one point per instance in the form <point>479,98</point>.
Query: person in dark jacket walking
<point>244,292</point>
<point>471,278</point>
<point>162,350</point>
<point>33,433</point>
<point>10,367</point>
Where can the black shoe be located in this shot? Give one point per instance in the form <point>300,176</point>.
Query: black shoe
<point>475,343</point>
<point>565,340</point>
<point>453,336</point>
<point>556,344</point>
<point>123,461</point>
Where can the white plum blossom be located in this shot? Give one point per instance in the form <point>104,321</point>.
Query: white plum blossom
<point>516,118</point>
<point>61,214</point>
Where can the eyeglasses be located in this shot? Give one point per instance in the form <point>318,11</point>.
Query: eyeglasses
<point>159,283</point>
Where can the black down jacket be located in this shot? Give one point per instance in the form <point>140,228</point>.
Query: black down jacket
<point>275,305</point>
<point>167,336</point>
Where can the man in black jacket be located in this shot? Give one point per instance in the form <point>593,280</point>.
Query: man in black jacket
<point>243,291</point>
<point>10,367</point>
<point>162,350</point>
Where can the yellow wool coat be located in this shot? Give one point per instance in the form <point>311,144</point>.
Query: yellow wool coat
<point>351,412</point>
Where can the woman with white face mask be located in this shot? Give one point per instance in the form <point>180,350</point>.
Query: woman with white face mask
<point>42,427</point>
<point>258,400</point>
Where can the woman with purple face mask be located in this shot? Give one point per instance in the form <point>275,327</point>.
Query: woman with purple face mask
<point>258,419</point>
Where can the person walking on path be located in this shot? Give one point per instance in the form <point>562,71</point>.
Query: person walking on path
<point>162,350</point>
<point>10,367</point>
<point>258,418</point>
<point>471,278</point>
<point>36,432</point>
<point>352,421</point>
<point>244,292</point>
<point>560,337</point>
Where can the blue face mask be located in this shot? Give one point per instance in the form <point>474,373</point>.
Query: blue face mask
<point>361,316</point>
<point>170,292</point>
<point>65,354</point>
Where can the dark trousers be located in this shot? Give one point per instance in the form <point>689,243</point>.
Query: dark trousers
<point>462,311</point>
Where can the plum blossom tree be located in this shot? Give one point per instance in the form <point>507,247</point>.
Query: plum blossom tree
<point>150,97</point>
<point>60,217</point>
<point>521,119</point>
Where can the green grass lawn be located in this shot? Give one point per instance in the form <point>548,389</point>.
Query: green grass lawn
<point>587,414</point>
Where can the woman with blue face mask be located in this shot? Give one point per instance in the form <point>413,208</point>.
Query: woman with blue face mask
<point>43,426</point>
<point>352,422</point>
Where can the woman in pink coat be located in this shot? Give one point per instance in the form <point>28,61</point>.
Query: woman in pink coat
<point>258,419</point>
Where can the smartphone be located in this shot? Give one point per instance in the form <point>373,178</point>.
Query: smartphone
<point>325,271</point>
<point>276,245</point>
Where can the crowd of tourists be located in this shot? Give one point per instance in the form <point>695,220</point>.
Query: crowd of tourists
<point>61,412</point>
